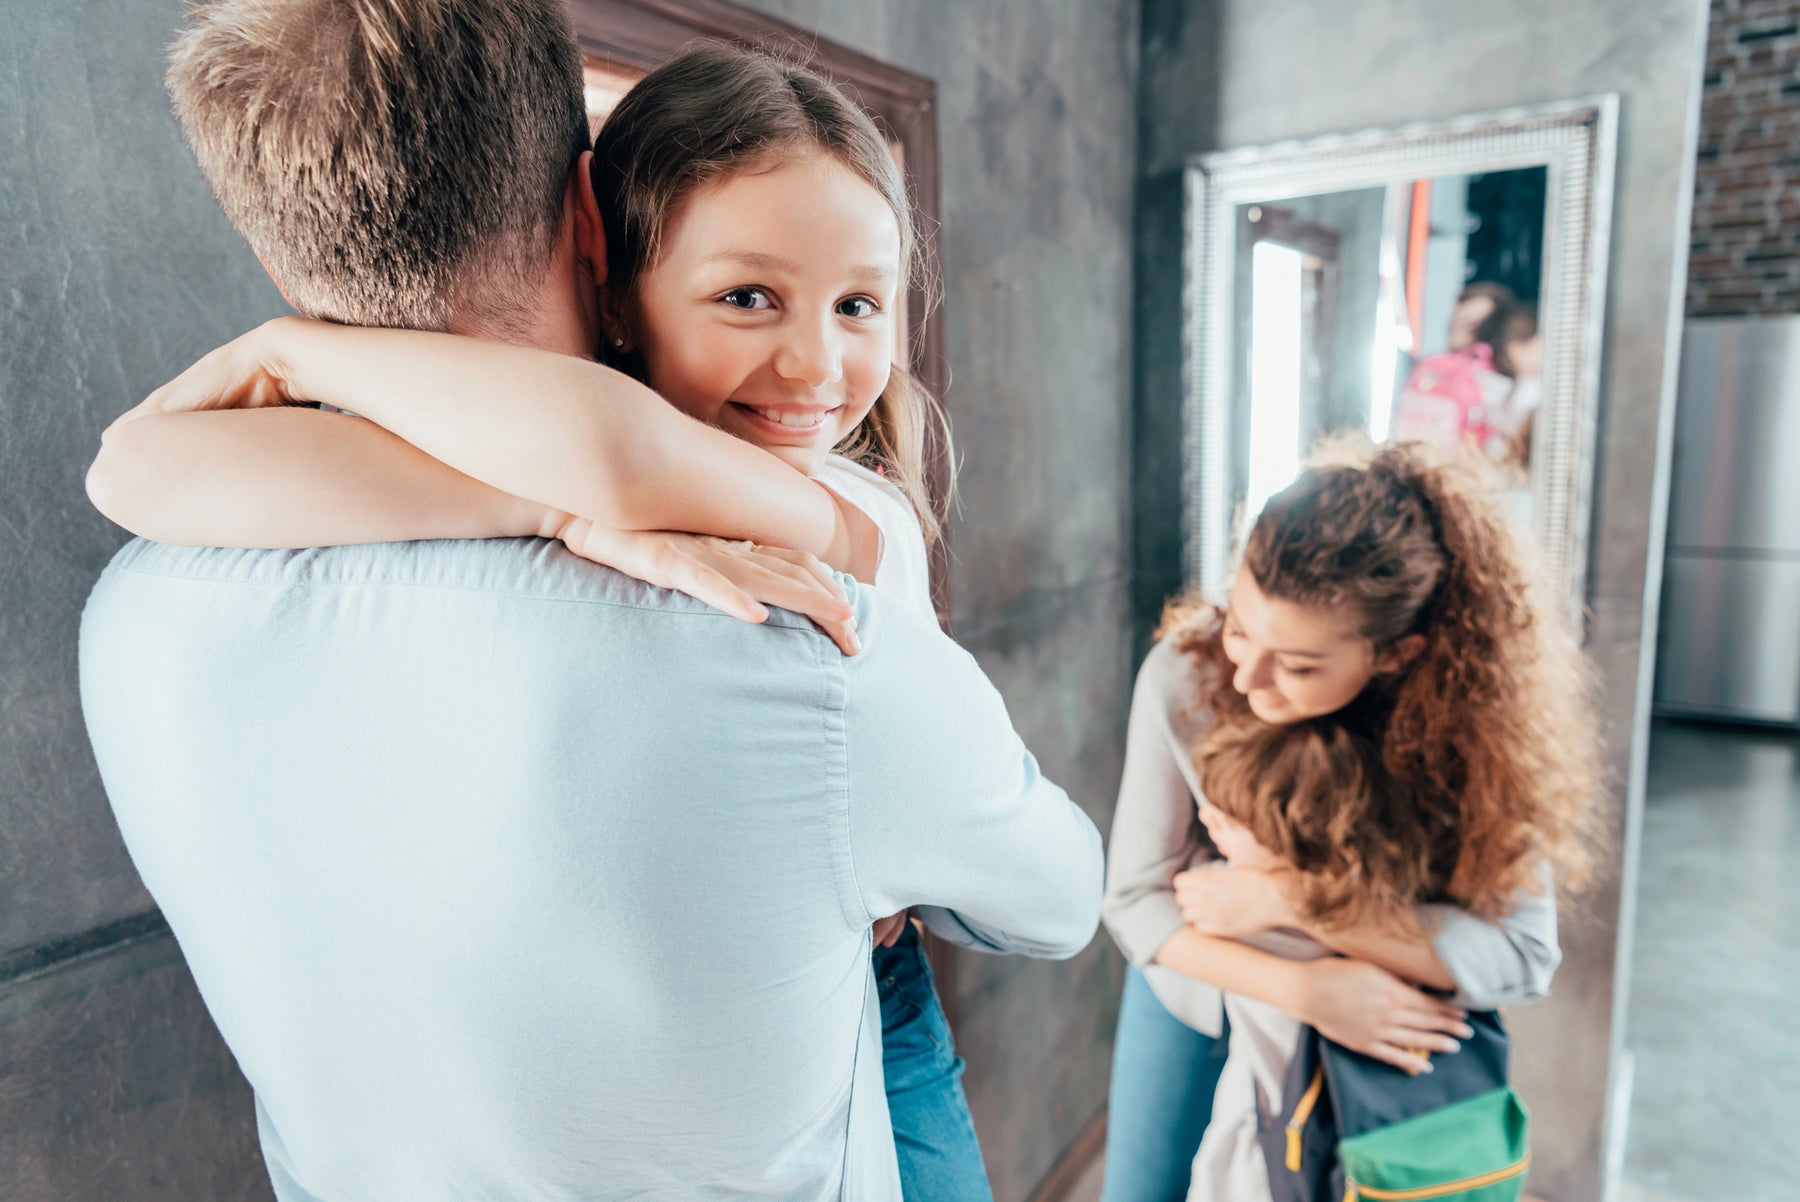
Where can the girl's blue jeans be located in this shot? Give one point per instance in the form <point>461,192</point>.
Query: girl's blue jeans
<point>1163,1076</point>
<point>940,1160</point>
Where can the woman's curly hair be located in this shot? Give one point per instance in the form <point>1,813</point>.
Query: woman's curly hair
<point>1456,778</point>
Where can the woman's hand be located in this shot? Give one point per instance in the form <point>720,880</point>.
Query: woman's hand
<point>1228,901</point>
<point>1370,1010</point>
<point>735,577</point>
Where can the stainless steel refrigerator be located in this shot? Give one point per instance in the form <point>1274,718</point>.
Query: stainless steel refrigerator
<point>1729,640</point>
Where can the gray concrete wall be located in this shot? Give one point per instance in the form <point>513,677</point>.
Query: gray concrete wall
<point>118,271</point>
<point>1036,132</point>
<point>1238,73</point>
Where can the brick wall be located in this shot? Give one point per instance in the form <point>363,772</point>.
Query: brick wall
<point>1745,257</point>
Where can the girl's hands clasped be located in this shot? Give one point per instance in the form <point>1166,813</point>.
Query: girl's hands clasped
<point>1228,901</point>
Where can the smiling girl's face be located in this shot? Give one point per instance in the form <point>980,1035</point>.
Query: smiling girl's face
<point>769,312</point>
<point>1298,661</point>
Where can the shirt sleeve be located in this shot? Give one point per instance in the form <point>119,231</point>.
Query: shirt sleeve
<point>948,812</point>
<point>1156,826</point>
<point>1502,962</point>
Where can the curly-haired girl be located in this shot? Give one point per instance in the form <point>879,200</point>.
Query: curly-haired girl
<point>1348,786</point>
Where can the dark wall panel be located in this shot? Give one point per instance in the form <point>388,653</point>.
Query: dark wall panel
<point>114,1087</point>
<point>118,271</point>
<point>1036,127</point>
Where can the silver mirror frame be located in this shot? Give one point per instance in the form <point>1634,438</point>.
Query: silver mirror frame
<point>1576,140</point>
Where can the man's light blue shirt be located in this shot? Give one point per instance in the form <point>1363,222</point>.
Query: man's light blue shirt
<point>505,876</point>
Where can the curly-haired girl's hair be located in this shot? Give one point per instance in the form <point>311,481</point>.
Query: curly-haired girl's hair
<point>1454,778</point>
<point>1317,795</point>
<point>716,110</point>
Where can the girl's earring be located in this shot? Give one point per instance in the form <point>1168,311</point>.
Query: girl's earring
<point>619,343</point>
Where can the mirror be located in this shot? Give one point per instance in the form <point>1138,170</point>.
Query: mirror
<point>1437,282</point>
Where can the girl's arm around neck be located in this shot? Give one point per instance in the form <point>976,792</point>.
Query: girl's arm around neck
<point>291,477</point>
<point>576,437</point>
<point>570,433</point>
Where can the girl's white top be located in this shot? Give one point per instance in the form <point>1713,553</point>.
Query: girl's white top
<point>903,569</point>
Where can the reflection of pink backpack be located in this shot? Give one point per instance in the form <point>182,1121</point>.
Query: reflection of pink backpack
<point>1446,398</point>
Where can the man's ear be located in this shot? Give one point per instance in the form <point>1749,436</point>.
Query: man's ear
<point>279,286</point>
<point>590,231</point>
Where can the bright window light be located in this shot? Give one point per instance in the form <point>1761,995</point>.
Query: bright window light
<point>1382,356</point>
<point>1275,340</point>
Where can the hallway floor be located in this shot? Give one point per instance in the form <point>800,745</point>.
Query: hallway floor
<point>1714,1018</point>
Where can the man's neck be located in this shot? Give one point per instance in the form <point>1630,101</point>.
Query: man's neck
<point>542,330</point>
<point>560,315</point>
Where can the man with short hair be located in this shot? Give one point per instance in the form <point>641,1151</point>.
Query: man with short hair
<point>502,874</point>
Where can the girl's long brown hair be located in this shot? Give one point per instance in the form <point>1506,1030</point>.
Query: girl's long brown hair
<point>1461,775</point>
<point>716,110</point>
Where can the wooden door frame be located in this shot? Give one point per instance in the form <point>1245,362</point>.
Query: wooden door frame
<point>640,34</point>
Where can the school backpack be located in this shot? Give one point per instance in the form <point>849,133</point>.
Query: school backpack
<point>1353,1128</point>
<point>1447,398</point>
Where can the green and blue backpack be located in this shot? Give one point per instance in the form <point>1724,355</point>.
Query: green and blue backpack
<point>1353,1128</point>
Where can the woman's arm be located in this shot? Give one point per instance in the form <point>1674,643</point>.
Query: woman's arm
<point>568,433</point>
<point>1506,961</point>
<point>1485,963</point>
<point>1229,901</point>
<point>1352,1002</point>
<point>1409,953</point>
<point>293,477</point>
<point>1155,827</point>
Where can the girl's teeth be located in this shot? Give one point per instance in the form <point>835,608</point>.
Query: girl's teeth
<point>792,419</point>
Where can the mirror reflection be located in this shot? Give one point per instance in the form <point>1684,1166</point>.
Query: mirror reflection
<point>1407,310</point>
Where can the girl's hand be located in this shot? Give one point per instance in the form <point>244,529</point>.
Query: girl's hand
<point>1235,842</point>
<point>1228,901</point>
<point>737,578</point>
<point>248,372</point>
<point>887,930</point>
<point>1370,1010</point>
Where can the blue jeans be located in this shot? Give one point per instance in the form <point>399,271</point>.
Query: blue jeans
<point>1163,1076</point>
<point>940,1160</point>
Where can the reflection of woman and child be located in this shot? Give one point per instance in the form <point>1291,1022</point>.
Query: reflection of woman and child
<point>1346,790</point>
<point>1484,390</point>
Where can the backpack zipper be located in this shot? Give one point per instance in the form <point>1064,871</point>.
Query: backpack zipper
<point>1302,1112</point>
<point>1353,1192</point>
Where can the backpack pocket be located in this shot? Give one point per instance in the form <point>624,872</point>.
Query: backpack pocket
<point>1475,1150</point>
